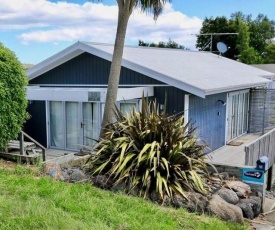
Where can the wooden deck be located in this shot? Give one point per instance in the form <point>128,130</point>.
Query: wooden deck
<point>232,155</point>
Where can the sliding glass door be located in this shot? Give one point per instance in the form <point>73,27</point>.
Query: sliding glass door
<point>56,124</point>
<point>73,125</point>
<point>91,122</point>
<point>237,110</point>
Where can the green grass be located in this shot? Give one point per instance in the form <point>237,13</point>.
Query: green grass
<point>28,201</point>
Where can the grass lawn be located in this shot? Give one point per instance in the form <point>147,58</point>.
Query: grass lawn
<point>29,201</point>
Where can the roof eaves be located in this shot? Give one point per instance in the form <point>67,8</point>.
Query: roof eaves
<point>55,60</point>
<point>230,89</point>
<point>65,55</point>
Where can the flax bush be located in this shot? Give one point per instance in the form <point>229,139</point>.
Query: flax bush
<point>151,152</point>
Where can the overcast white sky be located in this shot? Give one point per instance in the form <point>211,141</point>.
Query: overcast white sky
<point>37,29</point>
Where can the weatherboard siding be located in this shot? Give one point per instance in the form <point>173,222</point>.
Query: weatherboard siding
<point>175,99</point>
<point>89,69</point>
<point>209,116</point>
<point>36,125</point>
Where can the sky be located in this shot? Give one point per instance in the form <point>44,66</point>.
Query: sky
<point>37,29</point>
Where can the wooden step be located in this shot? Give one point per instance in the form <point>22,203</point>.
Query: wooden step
<point>15,145</point>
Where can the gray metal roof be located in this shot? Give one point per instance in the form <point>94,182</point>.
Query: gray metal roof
<point>199,73</point>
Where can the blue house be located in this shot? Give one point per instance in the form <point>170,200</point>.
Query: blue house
<point>67,92</point>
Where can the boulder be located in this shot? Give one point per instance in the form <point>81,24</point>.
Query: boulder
<point>77,175</point>
<point>241,189</point>
<point>195,202</point>
<point>251,207</point>
<point>228,195</point>
<point>53,170</point>
<point>103,181</point>
<point>228,212</point>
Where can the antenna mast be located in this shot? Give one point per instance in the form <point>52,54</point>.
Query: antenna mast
<point>211,38</point>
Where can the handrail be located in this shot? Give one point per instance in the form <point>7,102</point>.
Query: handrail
<point>33,140</point>
<point>262,146</point>
<point>260,137</point>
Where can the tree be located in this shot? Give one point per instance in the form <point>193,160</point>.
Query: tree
<point>125,9</point>
<point>260,32</point>
<point>247,54</point>
<point>170,44</point>
<point>13,103</point>
<point>217,25</point>
<point>269,53</point>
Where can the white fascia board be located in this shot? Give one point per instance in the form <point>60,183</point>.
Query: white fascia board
<point>226,90</point>
<point>55,60</point>
<point>62,94</point>
<point>97,52</point>
<point>64,56</point>
<point>84,94</point>
<point>125,94</point>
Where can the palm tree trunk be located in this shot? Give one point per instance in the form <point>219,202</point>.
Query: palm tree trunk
<point>125,10</point>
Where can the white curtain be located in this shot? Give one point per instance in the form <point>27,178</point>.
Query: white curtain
<point>72,125</point>
<point>91,123</point>
<point>127,107</point>
<point>56,124</point>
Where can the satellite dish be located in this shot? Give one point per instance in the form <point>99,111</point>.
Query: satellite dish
<point>222,47</point>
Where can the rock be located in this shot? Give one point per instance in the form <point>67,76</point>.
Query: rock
<point>155,197</point>
<point>118,187</point>
<point>195,202</point>
<point>257,193</point>
<point>103,181</point>
<point>224,210</point>
<point>251,207</point>
<point>65,176</point>
<point>215,180</point>
<point>228,195</point>
<point>77,175</point>
<point>53,170</point>
<point>214,189</point>
<point>242,189</point>
<point>224,175</point>
<point>241,195</point>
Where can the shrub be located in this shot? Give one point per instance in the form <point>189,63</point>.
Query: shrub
<point>13,101</point>
<point>151,152</point>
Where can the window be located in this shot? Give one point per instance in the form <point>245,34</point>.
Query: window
<point>127,107</point>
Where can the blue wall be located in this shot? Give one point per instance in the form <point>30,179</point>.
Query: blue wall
<point>209,116</point>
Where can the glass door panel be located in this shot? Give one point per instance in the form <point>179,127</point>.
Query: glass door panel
<point>56,124</point>
<point>90,123</point>
<point>237,115</point>
<point>127,108</point>
<point>72,125</point>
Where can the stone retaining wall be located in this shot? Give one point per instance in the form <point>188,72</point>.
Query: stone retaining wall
<point>237,172</point>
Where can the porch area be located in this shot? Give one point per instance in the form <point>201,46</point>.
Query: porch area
<point>245,150</point>
<point>234,154</point>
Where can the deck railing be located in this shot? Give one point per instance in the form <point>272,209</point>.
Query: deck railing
<point>21,140</point>
<point>262,146</point>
